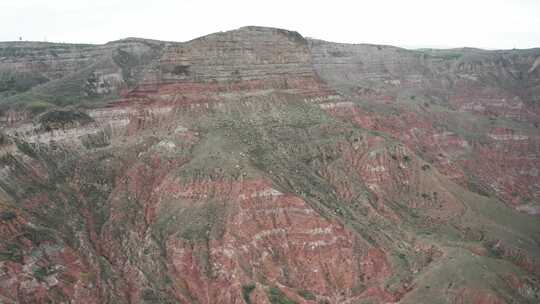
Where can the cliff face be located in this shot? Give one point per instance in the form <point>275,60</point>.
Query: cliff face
<point>257,166</point>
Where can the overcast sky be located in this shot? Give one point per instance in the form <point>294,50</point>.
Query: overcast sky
<point>491,24</point>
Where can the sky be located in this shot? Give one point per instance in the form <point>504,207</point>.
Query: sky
<point>488,24</point>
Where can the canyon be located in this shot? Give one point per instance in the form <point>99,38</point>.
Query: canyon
<point>257,166</point>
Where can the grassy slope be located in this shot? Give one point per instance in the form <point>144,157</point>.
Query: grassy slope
<point>285,143</point>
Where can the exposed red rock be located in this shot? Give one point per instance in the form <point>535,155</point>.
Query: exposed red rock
<point>259,167</point>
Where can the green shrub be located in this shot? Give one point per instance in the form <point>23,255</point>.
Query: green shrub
<point>7,216</point>
<point>246,291</point>
<point>12,253</point>
<point>60,118</point>
<point>42,272</point>
<point>276,296</point>
<point>306,294</point>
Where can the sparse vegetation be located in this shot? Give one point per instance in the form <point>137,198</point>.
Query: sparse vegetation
<point>246,291</point>
<point>306,294</point>
<point>138,208</point>
<point>59,119</point>
<point>41,272</point>
<point>276,296</point>
<point>7,216</point>
<point>13,83</point>
<point>38,107</point>
<point>11,252</point>
<point>181,70</point>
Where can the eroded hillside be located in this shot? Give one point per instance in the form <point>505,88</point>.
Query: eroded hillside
<point>257,166</point>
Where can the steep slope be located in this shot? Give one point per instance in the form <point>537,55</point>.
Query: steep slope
<point>256,166</point>
<point>472,113</point>
<point>36,76</point>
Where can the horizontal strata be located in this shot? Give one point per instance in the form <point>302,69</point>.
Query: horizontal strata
<point>256,166</point>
